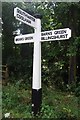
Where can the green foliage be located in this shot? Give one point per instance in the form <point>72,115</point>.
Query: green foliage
<point>47,111</point>
<point>19,69</point>
<point>55,55</point>
<point>77,90</point>
<point>66,114</point>
<point>11,97</point>
<point>55,104</point>
<point>55,60</point>
<point>74,47</point>
<point>16,100</point>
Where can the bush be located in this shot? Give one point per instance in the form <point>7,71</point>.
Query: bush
<point>77,90</point>
<point>14,66</point>
<point>47,111</point>
<point>59,83</point>
<point>19,69</point>
<point>66,114</point>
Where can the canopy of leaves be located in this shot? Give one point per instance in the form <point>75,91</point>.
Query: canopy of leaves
<point>55,55</point>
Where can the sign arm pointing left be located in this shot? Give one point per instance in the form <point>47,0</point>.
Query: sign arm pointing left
<point>24,17</point>
<point>24,39</point>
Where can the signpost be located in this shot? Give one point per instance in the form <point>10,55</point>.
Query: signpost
<point>37,38</point>
<point>52,35</point>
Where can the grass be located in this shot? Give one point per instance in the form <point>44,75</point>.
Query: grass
<point>61,101</point>
<point>17,102</point>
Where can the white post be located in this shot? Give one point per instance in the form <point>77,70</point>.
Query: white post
<point>36,83</point>
<point>37,57</point>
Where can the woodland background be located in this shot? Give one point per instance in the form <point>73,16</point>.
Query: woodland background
<point>60,61</point>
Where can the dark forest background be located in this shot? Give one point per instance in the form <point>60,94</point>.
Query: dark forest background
<point>60,59</point>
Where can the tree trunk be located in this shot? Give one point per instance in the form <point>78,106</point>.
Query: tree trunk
<point>73,17</point>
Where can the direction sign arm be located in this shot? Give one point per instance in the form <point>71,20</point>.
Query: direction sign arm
<point>24,17</point>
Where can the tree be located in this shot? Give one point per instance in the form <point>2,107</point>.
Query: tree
<point>69,16</point>
<point>59,57</point>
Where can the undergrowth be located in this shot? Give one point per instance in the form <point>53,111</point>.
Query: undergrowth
<point>16,100</point>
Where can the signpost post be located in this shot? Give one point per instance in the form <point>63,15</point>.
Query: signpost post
<point>37,38</point>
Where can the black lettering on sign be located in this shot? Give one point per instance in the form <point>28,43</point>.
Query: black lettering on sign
<point>46,33</point>
<point>19,39</point>
<point>31,18</point>
<point>23,18</point>
<point>24,14</point>
<point>54,37</point>
<point>28,21</point>
<point>18,11</point>
<point>64,36</point>
<point>57,37</point>
<point>28,38</point>
<point>42,38</point>
<point>60,32</point>
<point>51,37</point>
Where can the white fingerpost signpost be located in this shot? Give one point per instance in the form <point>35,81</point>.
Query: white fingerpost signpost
<point>37,37</point>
